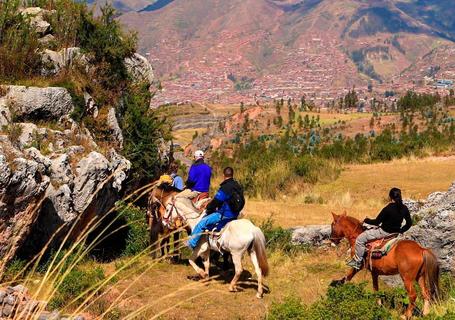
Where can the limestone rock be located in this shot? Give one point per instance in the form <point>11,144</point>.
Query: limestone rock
<point>55,61</point>
<point>140,68</point>
<point>115,127</point>
<point>43,162</point>
<point>90,171</point>
<point>35,103</point>
<point>314,235</point>
<point>37,21</point>
<point>61,170</point>
<point>5,114</point>
<point>436,227</point>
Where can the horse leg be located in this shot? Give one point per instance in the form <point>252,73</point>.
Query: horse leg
<point>176,249</point>
<point>425,293</point>
<point>375,277</point>
<point>237,259</point>
<point>192,261</point>
<point>409,286</point>
<point>258,271</point>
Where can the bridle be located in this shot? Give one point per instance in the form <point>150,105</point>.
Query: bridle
<point>168,219</point>
<point>338,239</point>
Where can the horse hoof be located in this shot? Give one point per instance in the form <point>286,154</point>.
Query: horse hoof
<point>259,295</point>
<point>233,289</point>
<point>194,277</point>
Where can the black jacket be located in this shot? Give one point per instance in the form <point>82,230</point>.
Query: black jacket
<point>391,218</point>
<point>220,202</point>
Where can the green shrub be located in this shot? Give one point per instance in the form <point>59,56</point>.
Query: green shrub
<point>290,309</point>
<point>279,239</point>
<point>76,282</point>
<point>142,132</point>
<point>347,302</point>
<point>13,270</point>
<point>138,237</point>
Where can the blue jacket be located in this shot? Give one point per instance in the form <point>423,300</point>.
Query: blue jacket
<point>220,202</point>
<point>199,177</point>
<point>177,181</point>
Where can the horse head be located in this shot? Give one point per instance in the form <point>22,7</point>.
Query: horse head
<point>344,226</point>
<point>337,232</point>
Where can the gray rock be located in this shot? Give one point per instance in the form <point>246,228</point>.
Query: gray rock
<point>55,315</point>
<point>61,170</point>
<point>47,39</point>
<point>44,163</point>
<point>314,235</point>
<point>37,21</point>
<point>28,135</point>
<point>115,127</point>
<point>20,289</point>
<point>436,227</point>
<point>62,201</point>
<point>7,310</point>
<point>2,295</point>
<point>55,61</point>
<point>39,103</point>
<point>90,172</point>
<point>140,68</point>
<point>5,114</point>
<point>90,105</point>
<point>10,300</point>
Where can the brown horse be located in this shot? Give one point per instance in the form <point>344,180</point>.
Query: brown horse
<point>156,219</point>
<point>406,258</point>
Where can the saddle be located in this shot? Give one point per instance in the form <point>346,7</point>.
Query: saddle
<point>381,247</point>
<point>201,201</point>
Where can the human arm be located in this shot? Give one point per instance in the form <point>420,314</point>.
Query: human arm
<point>407,217</point>
<point>178,183</point>
<point>191,181</point>
<point>376,222</point>
<point>217,201</point>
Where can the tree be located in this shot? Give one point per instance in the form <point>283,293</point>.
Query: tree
<point>242,107</point>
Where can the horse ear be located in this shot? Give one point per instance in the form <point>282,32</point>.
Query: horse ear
<point>335,216</point>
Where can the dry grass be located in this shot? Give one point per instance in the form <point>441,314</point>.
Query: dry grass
<point>360,189</point>
<point>185,136</point>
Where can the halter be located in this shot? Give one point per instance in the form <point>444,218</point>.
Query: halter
<point>341,238</point>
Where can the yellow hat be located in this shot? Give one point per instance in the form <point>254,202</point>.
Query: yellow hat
<point>165,178</point>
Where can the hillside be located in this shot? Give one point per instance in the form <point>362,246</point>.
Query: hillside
<point>231,51</point>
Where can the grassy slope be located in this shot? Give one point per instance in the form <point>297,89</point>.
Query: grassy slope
<point>360,189</point>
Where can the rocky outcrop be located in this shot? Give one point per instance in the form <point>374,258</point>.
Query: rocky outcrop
<point>50,178</point>
<point>314,235</point>
<point>33,103</point>
<point>436,226</point>
<point>139,68</point>
<point>16,303</point>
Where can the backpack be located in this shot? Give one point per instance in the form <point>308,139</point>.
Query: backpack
<point>237,200</point>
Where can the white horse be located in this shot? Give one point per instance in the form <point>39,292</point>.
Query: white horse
<point>238,237</point>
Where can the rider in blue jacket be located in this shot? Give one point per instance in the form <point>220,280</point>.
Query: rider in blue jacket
<point>219,211</point>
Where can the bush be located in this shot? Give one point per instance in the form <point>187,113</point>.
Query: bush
<point>76,282</point>
<point>290,309</point>
<point>279,239</point>
<point>143,132</point>
<point>138,237</point>
<point>347,302</point>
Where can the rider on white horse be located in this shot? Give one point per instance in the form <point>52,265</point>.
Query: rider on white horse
<point>225,207</point>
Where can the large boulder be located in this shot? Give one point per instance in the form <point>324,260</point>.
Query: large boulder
<point>33,103</point>
<point>436,226</point>
<point>314,235</point>
<point>140,68</point>
<point>55,61</point>
<point>22,190</point>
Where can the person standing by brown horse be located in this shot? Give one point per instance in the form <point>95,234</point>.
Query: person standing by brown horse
<point>406,257</point>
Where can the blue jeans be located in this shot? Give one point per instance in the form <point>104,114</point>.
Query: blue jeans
<point>207,223</point>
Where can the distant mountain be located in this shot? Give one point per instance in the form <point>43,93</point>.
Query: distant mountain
<point>260,47</point>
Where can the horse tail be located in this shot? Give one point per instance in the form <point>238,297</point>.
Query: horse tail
<point>431,272</point>
<point>259,248</point>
